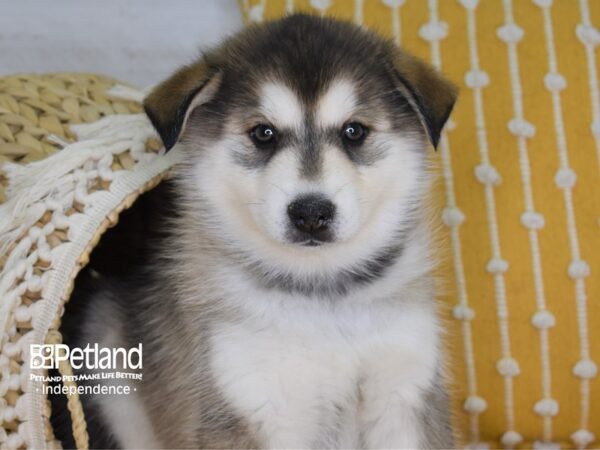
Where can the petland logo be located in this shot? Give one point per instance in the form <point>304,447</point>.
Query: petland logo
<point>50,356</point>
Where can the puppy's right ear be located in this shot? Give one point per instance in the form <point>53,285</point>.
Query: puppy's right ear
<point>170,104</point>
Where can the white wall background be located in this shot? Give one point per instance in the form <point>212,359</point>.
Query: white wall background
<point>138,41</point>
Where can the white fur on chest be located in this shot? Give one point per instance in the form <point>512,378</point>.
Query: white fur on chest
<point>319,376</point>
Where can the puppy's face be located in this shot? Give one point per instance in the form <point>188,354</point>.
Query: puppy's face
<point>304,176</point>
<point>306,144</point>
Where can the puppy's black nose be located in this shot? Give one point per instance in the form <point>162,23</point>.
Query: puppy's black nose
<point>312,214</point>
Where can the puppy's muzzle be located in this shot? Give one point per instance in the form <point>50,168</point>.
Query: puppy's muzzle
<point>311,217</point>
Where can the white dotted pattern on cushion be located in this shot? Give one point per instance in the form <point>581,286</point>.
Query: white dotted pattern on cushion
<point>488,175</point>
<point>434,31</point>
<point>533,221</point>
<point>565,180</point>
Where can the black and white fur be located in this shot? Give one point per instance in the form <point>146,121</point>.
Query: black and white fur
<point>255,336</point>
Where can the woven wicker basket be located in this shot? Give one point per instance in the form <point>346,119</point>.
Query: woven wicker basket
<point>73,154</point>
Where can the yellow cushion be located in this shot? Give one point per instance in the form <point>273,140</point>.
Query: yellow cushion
<point>521,165</point>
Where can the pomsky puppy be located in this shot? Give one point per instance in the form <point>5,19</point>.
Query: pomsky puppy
<point>289,300</point>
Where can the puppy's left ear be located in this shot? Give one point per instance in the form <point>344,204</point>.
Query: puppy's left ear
<point>170,104</point>
<point>431,96</point>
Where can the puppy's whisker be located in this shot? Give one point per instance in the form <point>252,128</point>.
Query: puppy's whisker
<point>342,187</point>
<point>280,188</point>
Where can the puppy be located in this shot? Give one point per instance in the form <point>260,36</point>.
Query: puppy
<point>288,300</point>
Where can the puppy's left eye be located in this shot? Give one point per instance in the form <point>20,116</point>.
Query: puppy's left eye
<point>354,133</point>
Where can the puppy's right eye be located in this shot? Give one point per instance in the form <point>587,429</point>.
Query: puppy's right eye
<point>263,135</point>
